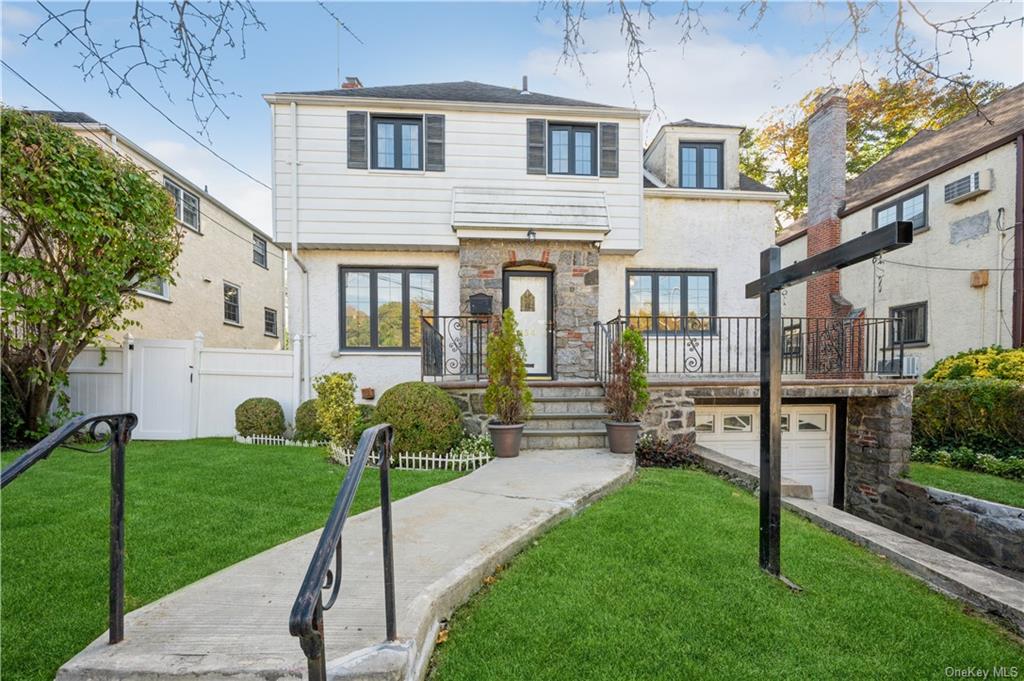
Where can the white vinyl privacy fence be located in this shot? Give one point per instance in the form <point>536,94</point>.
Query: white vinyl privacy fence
<point>181,389</point>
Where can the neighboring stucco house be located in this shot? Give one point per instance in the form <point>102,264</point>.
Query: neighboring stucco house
<point>960,285</point>
<point>229,277</point>
<point>414,213</point>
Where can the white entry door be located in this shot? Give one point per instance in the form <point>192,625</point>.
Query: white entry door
<point>807,437</point>
<point>529,297</point>
<point>162,389</point>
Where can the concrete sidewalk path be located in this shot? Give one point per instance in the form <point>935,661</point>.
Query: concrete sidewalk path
<point>447,539</point>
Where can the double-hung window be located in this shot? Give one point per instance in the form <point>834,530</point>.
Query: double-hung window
<point>270,322</point>
<point>911,207</point>
<point>232,304</point>
<point>381,306</point>
<point>700,165</point>
<point>397,143</point>
<point>572,149</point>
<point>913,325</point>
<point>157,286</point>
<point>259,251</point>
<point>676,301</point>
<point>186,205</point>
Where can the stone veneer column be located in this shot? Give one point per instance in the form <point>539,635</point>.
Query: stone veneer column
<point>877,449</point>
<point>575,278</point>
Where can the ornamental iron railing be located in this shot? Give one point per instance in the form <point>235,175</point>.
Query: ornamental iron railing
<point>454,348</point>
<point>104,431</point>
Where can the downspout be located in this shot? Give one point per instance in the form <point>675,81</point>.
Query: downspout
<point>295,254</point>
<point>1018,249</point>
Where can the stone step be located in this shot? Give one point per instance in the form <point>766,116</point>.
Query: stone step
<point>564,438</point>
<point>568,405</point>
<point>566,421</point>
<point>555,390</point>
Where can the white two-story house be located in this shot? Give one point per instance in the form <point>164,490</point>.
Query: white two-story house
<point>447,199</point>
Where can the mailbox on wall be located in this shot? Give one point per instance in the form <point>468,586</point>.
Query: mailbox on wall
<point>481,303</point>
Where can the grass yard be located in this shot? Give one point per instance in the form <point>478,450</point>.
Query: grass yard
<point>980,485</point>
<point>660,581</point>
<point>192,508</point>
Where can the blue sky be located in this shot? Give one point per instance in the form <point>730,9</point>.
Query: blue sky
<point>729,73</point>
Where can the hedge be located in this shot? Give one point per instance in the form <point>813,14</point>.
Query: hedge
<point>425,418</point>
<point>259,416</point>
<point>307,424</point>
<point>990,362</point>
<point>983,414</point>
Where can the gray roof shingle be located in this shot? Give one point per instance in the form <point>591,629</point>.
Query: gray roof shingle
<point>690,123</point>
<point>461,91</point>
<point>930,151</point>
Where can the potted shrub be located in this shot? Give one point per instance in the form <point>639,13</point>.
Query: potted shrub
<point>626,394</point>
<point>507,397</point>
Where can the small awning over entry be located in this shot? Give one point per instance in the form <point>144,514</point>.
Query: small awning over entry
<point>496,213</point>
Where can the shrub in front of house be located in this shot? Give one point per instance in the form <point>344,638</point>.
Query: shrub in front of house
<point>965,458</point>
<point>656,452</point>
<point>365,419</point>
<point>336,410</point>
<point>307,425</point>
<point>259,416</point>
<point>425,417</point>
<point>990,362</point>
<point>983,414</point>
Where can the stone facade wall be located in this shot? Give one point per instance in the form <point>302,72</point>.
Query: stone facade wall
<point>671,415</point>
<point>877,455</point>
<point>575,267</point>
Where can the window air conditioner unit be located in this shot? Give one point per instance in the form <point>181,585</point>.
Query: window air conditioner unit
<point>968,187</point>
<point>891,367</point>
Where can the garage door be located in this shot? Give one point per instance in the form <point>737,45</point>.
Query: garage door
<point>807,440</point>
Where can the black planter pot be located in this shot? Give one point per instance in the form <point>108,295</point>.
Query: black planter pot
<point>622,436</point>
<point>506,439</point>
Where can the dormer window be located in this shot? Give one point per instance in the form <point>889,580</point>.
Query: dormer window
<point>397,143</point>
<point>700,165</point>
<point>572,149</point>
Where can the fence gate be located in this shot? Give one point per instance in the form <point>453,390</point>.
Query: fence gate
<point>161,375</point>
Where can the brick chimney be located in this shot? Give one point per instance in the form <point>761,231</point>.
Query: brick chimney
<point>826,191</point>
<point>351,83</point>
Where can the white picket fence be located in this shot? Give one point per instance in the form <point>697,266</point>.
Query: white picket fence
<point>278,440</point>
<point>417,460</point>
<point>181,389</point>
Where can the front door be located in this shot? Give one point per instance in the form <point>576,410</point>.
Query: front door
<point>528,293</point>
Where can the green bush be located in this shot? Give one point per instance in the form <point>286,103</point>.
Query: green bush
<point>364,420</point>
<point>967,459</point>
<point>425,418</point>
<point>336,407</point>
<point>307,425</point>
<point>259,416</point>
<point>990,362</point>
<point>627,394</point>
<point>507,396</point>
<point>983,414</point>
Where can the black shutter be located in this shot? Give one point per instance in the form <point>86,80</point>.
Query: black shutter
<point>357,139</point>
<point>609,150</point>
<point>434,136</point>
<point>536,141</point>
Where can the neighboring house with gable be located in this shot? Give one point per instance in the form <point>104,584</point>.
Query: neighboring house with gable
<point>229,277</point>
<point>960,285</point>
<point>415,213</point>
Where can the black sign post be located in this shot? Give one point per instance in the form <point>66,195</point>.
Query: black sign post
<point>768,288</point>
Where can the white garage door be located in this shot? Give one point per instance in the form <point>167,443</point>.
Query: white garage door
<point>806,440</point>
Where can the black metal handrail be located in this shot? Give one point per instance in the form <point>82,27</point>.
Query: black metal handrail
<point>307,616</point>
<point>454,347</point>
<point>115,439</point>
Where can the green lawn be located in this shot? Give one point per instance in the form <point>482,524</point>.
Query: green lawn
<point>660,581</point>
<point>980,485</point>
<point>192,508</point>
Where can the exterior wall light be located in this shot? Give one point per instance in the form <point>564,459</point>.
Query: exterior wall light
<point>531,236</point>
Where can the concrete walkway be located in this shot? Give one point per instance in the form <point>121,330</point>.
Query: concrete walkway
<point>447,539</point>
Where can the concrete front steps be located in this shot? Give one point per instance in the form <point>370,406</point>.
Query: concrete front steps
<point>566,416</point>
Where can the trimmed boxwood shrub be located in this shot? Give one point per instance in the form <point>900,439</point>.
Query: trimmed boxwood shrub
<point>990,362</point>
<point>425,418</point>
<point>983,414</point>
<point>307,425</point>
<point>259,416</point>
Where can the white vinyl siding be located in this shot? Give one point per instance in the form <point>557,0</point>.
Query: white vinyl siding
<point>339,205</point>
